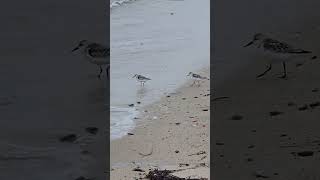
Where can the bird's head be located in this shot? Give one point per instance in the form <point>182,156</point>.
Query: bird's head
<point>257,40</point>
<point>81,44</point>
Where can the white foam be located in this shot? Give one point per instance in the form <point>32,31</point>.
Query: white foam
<point>119,3</point>
<point>122,121</point>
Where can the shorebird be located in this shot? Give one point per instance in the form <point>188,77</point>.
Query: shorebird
<point>141,79</point>
<point>96,54</point>
<point>196,78</point>
<point>278,52</point>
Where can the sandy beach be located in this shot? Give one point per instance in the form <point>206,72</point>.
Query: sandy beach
<point>172,133</point>
<point>48,93</point>
<point>269,127</point>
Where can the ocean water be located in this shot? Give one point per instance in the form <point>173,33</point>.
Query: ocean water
<point>162,40</point>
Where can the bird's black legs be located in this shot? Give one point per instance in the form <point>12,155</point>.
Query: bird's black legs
<point>99,75</point>
<point>108,71</point>
<point>284,70</point>
<point>194,82</point>
<point>265,72</point>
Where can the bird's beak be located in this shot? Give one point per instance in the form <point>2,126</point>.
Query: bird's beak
<point>133,76</point>
<point>76,48</point>
<point>248,44</point>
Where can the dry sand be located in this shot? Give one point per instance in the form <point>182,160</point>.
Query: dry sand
<point>260,144</point>
<point>170,133</point>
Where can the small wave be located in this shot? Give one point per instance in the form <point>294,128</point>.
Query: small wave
<point>119,3</point>
<point>122,121</point>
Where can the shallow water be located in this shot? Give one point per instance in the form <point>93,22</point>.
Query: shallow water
<point>162,40</point>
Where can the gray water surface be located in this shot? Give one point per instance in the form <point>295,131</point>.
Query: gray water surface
<point>162,40</point>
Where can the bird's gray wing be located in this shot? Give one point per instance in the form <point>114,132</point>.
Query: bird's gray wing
<point>281,47</point>
<point>143,77</point>
<point>98,51</point>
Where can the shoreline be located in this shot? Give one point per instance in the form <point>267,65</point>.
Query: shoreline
<point>139,109</point>
<point>159,125</point>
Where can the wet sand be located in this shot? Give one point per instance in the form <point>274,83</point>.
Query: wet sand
<point>47,92</point>
<point>269,128</point>
<point>170,134</point>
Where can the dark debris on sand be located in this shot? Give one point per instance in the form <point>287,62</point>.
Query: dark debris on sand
<point>236,117</point>
<point>138,170</point>
<point>275,113</point>
<point>92,130</point>
<point>291,104</point>
<point>303,108</point>
<point>314,104</point>
<point>305,153</point>
<point>68,138</point>
<point>166,175</point>
<point>260,175</point>
<point>83,178</point>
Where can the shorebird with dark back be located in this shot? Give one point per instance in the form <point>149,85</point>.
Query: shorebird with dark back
<point>197,78</point>
<point>275,51</point>
<point>141,79</point>
<point>96,54</point>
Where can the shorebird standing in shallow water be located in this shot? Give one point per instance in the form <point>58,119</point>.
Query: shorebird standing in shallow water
<point>196,78</point>
<point>96,54</point>
<point>278,52</point>
<point>141,79</point>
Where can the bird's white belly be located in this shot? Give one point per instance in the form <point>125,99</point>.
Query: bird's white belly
<point>272,57</point>
<point>98,61</point>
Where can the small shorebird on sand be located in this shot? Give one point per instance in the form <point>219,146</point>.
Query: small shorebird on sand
<point>196,78</point>
<point>96,54</point>
<point>141,79</point>
<point>278,52</point>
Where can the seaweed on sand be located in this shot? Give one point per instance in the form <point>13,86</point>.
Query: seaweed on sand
<point>166,175</point>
